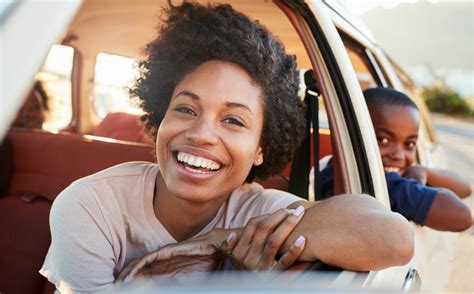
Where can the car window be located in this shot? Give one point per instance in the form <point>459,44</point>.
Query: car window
<point>55,78</point>
<point>362,62</point>
<point>113,75</point>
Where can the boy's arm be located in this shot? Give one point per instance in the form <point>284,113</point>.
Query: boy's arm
<point>354,232</point>
<point>448,213</point>
<point>440,179</point>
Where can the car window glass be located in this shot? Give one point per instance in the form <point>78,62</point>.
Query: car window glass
<point>113,75</point>
<point>55,79</point>
<point>5,7</point>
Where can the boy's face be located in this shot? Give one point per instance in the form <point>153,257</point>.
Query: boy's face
<point>396,128</point>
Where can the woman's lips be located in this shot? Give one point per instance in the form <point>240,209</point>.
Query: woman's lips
<point>194,167</point>
<point>197,163</point>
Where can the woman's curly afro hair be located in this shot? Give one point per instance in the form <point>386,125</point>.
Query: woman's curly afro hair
<point>192,34</point>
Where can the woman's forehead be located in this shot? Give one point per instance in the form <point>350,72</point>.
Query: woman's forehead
<point>223,81</point>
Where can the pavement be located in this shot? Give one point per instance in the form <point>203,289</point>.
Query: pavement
<point>457,139</point>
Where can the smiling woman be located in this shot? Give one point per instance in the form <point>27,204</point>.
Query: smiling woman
<point>220,98</point>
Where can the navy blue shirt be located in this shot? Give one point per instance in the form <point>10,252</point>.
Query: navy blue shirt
<point>407,196</point>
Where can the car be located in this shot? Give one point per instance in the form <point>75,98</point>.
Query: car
<point>90,124</point>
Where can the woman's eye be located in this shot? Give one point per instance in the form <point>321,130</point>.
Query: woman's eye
<point>185,110</point>
<point>234,121</point>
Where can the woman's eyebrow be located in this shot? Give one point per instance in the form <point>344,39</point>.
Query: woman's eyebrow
<point>227,104</point>
<point>187,93</point>
<point>238,105</point>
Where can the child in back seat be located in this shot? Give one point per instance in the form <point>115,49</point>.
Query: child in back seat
<point>425,195</point>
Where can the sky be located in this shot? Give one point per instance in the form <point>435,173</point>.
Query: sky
<point>358,7</point>
<point>460,78</point>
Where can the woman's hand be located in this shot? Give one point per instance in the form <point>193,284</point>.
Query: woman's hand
<point>262,238</point>
<point>252,248</point>
<point>203,253</point>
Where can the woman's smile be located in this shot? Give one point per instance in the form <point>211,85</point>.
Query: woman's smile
<point>195,165</point>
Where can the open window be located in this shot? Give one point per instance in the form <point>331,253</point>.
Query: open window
<point>48,105</point>
<point>113,75</point>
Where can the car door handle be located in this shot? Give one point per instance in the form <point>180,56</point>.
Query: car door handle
<point>412,281</point>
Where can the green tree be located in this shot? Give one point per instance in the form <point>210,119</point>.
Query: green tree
<point>440,98</point>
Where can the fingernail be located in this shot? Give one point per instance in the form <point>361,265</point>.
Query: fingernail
<point>299,242</point>
<point>298,211</point>
<point>230,237</point>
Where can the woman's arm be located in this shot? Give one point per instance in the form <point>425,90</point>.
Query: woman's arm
<point>81,257</point>
<point>448,213</point>
<point>440,178</point>
<point>354,232</point>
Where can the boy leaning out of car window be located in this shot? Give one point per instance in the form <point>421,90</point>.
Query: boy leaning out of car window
<point>425,195</point>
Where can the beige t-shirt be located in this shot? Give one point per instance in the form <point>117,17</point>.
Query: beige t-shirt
<point>103,221</point>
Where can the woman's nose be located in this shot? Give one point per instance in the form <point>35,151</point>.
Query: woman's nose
<point>202,133</point>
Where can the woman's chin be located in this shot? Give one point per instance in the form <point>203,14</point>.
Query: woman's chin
<point>197,194</point>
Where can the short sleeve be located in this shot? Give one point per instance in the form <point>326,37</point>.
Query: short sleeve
<point>410,198</point>
<point>81,256</point>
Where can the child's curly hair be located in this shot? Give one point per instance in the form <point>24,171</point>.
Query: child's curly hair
<point>192,34</point>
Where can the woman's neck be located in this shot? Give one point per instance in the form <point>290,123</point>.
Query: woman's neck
<point>181,218</point>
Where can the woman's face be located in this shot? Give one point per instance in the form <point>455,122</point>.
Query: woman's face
<point>209,138</point>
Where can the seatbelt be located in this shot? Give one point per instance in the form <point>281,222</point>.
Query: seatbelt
<point>299,176</point>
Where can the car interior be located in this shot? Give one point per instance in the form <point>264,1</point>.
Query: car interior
<point>90,124</point>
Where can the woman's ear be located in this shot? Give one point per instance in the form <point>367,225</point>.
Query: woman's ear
<point>258,157</point>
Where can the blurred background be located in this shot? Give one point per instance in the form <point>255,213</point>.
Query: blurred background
<point>433,41</point>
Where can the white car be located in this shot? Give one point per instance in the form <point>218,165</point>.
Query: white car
<point>89,123</point>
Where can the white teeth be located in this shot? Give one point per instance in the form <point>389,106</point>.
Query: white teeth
<point>197,162</point>
<point>390,169</point>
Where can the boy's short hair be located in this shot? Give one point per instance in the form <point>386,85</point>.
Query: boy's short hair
<point>387,96</point>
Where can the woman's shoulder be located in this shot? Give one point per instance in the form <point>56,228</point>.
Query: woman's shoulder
<point>127,169</point>
<point>250,200</point>
<point>107,185</point>
<point>119,174</point>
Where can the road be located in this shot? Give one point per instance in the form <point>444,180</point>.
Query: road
<point>457,139</point>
